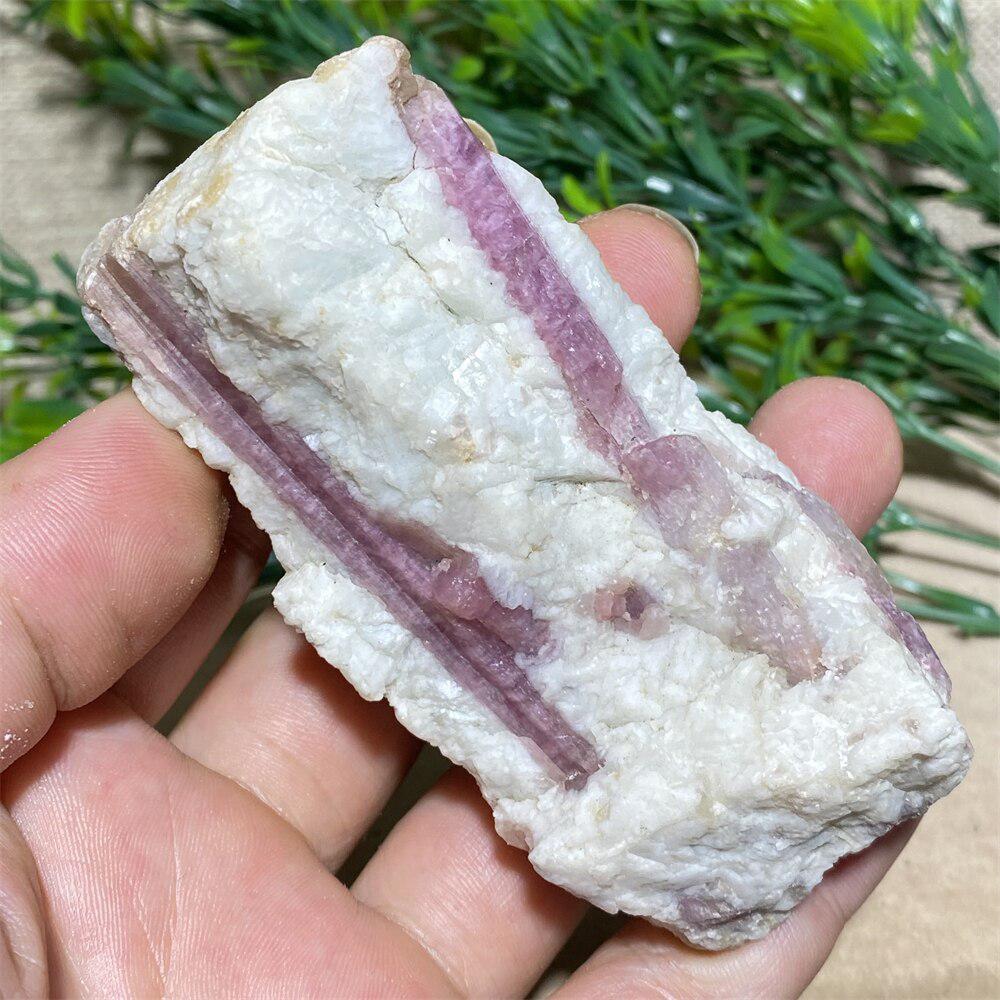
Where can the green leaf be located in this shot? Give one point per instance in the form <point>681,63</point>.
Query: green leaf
<point>27,421</point>
<point>506,28</point>
<point>16,264</point>
<point>42,328</point>
<point>184,122</point>
<point>989,305</point>
<point>605,182</point>
<point>790,359</point>
<point>132,86</point>
<point>577,198</point>
<point>736,320</point>
<point>708,161</point>
<point>972,616</point>
<point>75,18</point>
<point>831,29</point>
<point>912,294</point>
<point>898,124</point>
<point>467,68</point>
<point>857,258</point>
<point>67,269</point>
<point>794,258</point>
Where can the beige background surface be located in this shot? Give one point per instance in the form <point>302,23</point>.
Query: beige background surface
<point>933,927</point>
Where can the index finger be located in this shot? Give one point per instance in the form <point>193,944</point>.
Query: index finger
<point>654,258</point>
<point>108,530</point>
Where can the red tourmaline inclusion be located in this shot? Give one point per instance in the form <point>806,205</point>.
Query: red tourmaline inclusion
<point>612,419</point>
<point>686,486</point>
<point>431,589</point>
<point>624,605</point>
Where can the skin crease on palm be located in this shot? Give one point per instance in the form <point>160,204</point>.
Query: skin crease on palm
<point>199,865</point>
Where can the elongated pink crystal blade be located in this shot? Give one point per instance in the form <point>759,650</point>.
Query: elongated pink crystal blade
<point>685,485</point>
<point>610,416</point>
<point>692,496</point>
<point>676,475</point>
<point>449,610</point>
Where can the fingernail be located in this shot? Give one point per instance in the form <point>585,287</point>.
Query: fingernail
<point>658,213</point>
<point>481,134</point>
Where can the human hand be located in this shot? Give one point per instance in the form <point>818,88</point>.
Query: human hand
<point>134,864</point>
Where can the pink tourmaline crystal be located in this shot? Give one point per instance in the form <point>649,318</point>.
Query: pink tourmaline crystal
<point>858,561</point>
<point>692,497</point>
<point>515,249</point>
<point>685,485</point>
<point>625,605</point>
<point>446,605</point>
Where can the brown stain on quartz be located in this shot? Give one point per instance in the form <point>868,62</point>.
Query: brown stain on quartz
<point>208,196</point>
<point>326,71</point>
<point>149,218</point>
<point>152,212</point>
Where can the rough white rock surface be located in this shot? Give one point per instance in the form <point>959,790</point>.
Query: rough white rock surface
<point>342,292</point>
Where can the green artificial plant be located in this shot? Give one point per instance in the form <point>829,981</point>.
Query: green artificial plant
<point>798,139</point>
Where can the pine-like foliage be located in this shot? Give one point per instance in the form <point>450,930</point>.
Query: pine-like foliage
<point>797,138</point>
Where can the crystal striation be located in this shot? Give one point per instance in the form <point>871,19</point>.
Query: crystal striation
<point>444,603</point>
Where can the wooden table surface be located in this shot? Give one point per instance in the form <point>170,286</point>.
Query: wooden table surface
<point>932,929</point>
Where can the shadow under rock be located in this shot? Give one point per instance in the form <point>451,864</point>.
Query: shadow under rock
<point>987,563</point>
<point>426,771</point>
<point>595,928</point>
<point>243,619</point>
<point>922,458</point>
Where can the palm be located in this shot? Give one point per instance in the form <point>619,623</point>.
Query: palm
<point>132,864</point>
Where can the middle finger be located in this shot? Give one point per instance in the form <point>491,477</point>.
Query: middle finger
<point>283,723</point>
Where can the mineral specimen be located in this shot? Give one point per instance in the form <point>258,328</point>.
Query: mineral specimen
<point>680,682</point>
